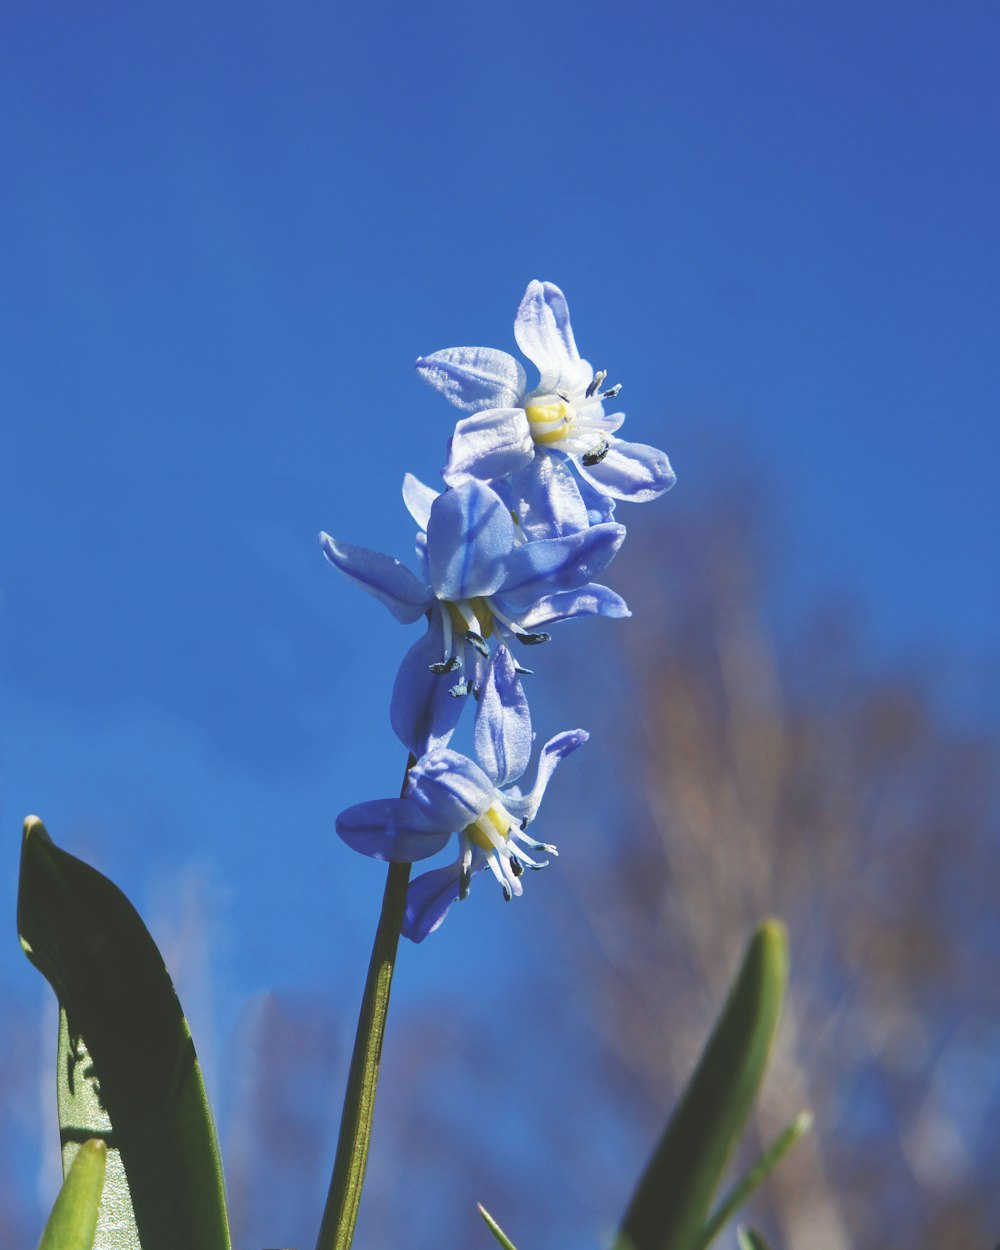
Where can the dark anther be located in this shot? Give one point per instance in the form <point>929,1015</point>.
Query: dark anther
<point>591,458</point>
<point>598,381</point>
<point>516,866</point>
<point>525,672</point>
<point>478,641</point>
<point>532,640</point>
<point>524,824</point>
<point>446,666</point>
<point>461,690</point>
<point>612,391</point>
<point>464,882</point>
<point>563,396</point>
<point>506,891</point>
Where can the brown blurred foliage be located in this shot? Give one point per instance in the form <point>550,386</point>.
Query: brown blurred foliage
<point>796,778</point>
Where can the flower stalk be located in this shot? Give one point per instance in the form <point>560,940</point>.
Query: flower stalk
<point>344,1197</point>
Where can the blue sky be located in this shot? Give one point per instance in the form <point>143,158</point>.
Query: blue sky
<point>229,229</point>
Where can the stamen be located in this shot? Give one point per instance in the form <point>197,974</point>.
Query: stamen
<point>462,689</point>
<point>590,458</point>
<point>524,672</point>
<point>446,666</point>
<point>612,391</point>
<point>532,640</point>
<point>477,641</point>
<point>564,397</point>
<point>597,383</point>
<point>465,880</point>
<point>516,867</point>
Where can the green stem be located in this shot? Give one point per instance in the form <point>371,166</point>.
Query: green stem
<point>341,1211</point>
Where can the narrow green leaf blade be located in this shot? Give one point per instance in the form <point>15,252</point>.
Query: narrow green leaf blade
<point>495,1228</point>
<point>73,1221</point>
<point>670,1207</point>
<point>750,1239</point>
<point>128,1071</point>
<point>755,1176</point>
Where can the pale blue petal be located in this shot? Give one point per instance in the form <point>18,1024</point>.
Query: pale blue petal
<point>503,722</point>
<point>589,600</point>
<point>489,444</point>
<point>554,751</point>
<point>431,895</point>
<point>422,712</point>
<point>473,378</point>
<point>543,568</point>
<point>630,471</point>
<point>469,537</point>
<point>392,829</point>
<point>418,499</point>
<point>543,332</point>
<point>546,496</point>
<point>392,583</point>
<point>449,788</point>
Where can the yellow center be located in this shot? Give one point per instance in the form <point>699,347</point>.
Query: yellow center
<point>477,831</point>
<point>550,422</point>
<point>483,615</point>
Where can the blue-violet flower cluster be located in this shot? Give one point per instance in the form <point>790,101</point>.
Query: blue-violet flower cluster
<point>512,546</point>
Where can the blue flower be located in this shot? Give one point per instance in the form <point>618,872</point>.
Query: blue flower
<point>447,793</point>
<point>510,426</point>
<point>480,579</point>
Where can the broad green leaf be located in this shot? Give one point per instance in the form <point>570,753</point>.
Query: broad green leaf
<point>127,1066</point>
<point>670,1207</point>
<point>749,1239</point>
<point>754,1177</point>
<point>73,1221</point>
<point>495,1228</point>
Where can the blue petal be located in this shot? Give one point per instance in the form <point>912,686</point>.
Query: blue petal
<point>489,444</point>
<point>392,829</point>
<point>422,712</point>
<point>589,600</point>
<point>503,722</point>
<point>469,537</point>
<point>418,499</point>
<point>543,332</point>
<point>536,570</point>
<point>431,895</point>
<point>554,751</point>
<point>450,788</point>
<point>630,471</point>
<point>473,378</point>
<point>406,597</point>
<point>546,496</point>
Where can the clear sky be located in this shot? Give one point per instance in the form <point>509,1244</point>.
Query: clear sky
<point>228,230</point>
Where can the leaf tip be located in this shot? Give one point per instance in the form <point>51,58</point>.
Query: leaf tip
<point>33,828</point>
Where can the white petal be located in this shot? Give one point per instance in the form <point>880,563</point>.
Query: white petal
<point>473,378</point>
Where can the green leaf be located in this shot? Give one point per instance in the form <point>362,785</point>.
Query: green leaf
<point>749,1239</point>
<point>495,1228</point>
<point>670,1207</point>
<point>73,1221</point>
<point>752,1179</point>
<point>128,1073</point>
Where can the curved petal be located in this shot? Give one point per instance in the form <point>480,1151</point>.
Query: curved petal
<point>418,499</point>
<point>503,722</point>
<point>489,444</point>
<point>469,537</point>
<point>543,568</point>
<point>554,751</point>
<point>543,332</point>
<point>546,497</point>
<point>449,788</point>
<point>392,583</point>
<point>422,712</point>
<point>589,600</point>
<point>392,829</point>
<point>473,378</point>
<point>630,471</point>
<point>431,895</point>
